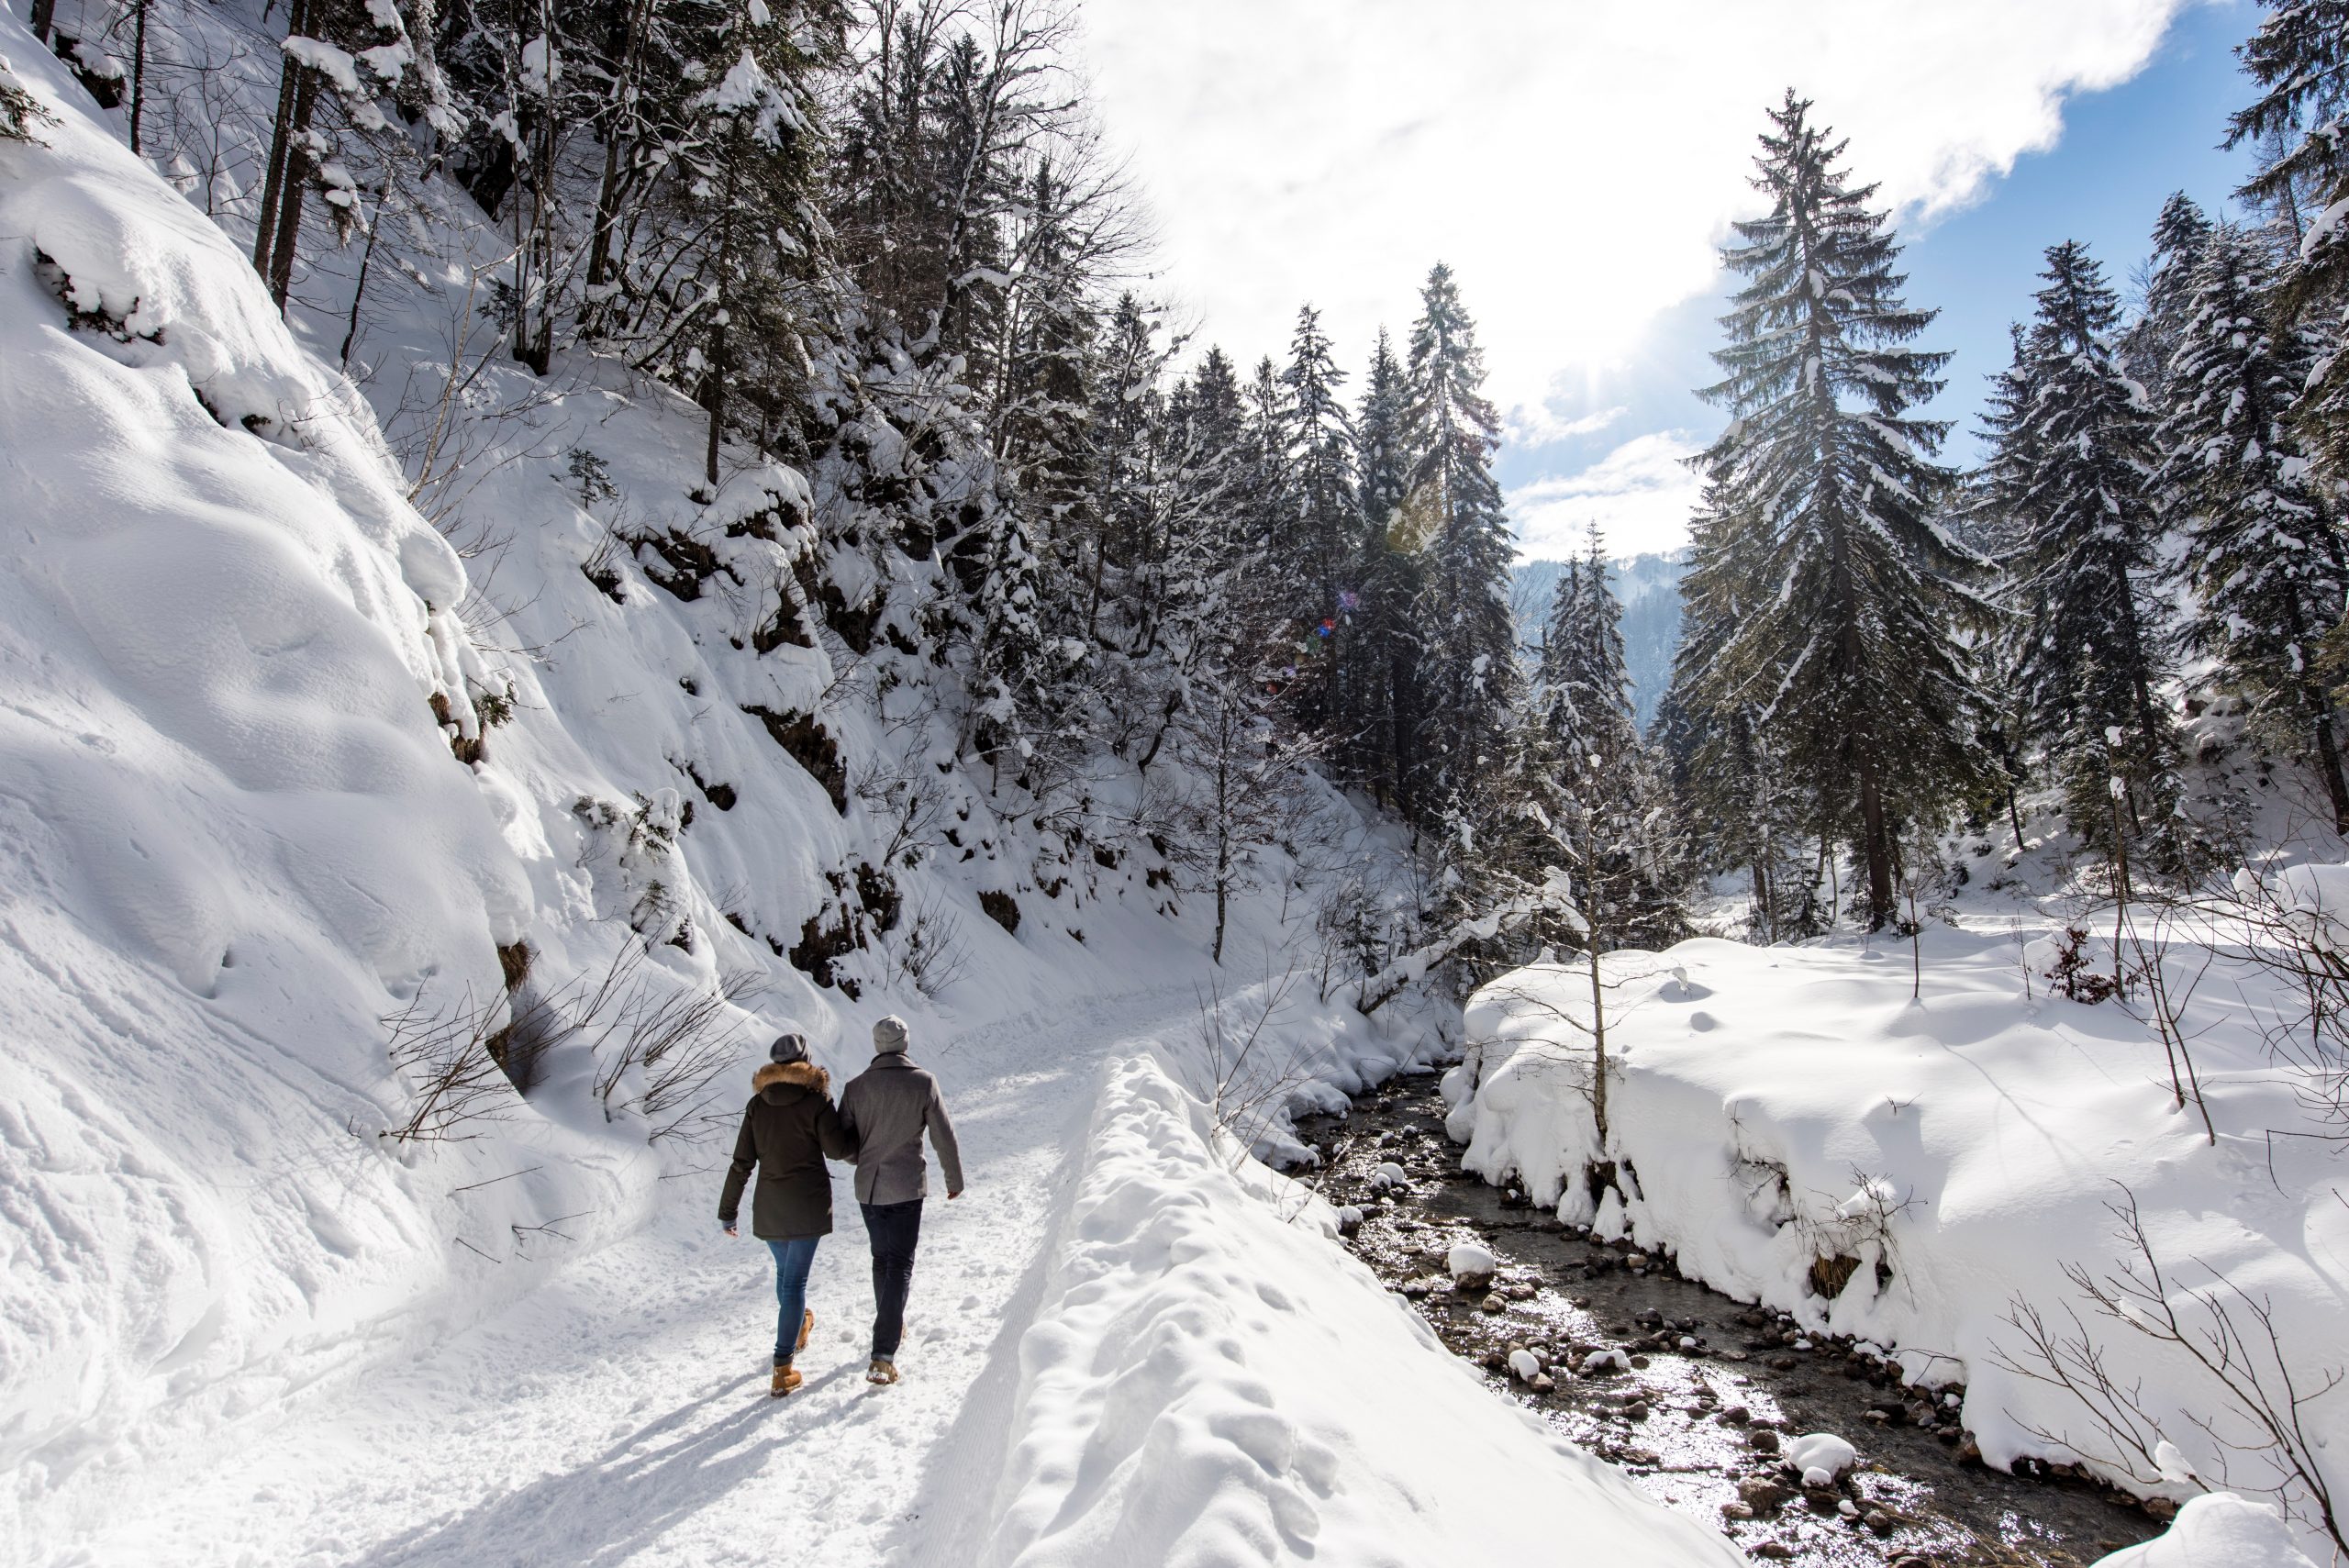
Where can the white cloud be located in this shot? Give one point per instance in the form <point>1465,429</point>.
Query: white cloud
<point>1540,423</point>
<point>1575,162</point>
<point>1639,494</point>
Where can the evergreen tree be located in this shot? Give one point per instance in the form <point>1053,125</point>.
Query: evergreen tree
<point>1607,807</point>
<point>2074,457</point>
<point>2264,554</point>
<point>1315,545</point>
<point>1380,656</point>
<point>1841,642</point>
<point>1467,638</point>
<point>2300,57</point>
<point>2179,235</point>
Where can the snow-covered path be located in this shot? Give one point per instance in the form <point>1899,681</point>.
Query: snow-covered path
<point>619,1413</point>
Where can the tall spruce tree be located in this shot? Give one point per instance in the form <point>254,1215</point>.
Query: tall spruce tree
<point>1843,649</point>
<point>1379,653</point>
<point>1466,636</point>
<point>1316,543</point>
<point>2263,552</point>
<point>2300,124</point>
<point>2073,458</point>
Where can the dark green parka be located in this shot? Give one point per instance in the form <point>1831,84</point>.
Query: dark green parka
<point>788,1127</point>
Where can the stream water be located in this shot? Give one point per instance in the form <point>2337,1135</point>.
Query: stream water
<point>1703,1392</point>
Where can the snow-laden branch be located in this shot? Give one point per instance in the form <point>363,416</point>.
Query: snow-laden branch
<point>1552,897</point>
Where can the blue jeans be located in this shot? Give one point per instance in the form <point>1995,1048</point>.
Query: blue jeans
<point>793,1259</point>
<point>895,1228</point>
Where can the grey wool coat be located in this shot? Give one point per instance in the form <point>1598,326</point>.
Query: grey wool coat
<point>787,1129</point>
<point>888,1108</point>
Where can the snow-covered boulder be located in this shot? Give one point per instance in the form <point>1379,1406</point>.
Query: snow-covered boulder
<point>1471,1264</point>
<point>1819,1458</point>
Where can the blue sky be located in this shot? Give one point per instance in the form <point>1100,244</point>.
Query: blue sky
<point>2122,152</point>
<point>1577,161</point>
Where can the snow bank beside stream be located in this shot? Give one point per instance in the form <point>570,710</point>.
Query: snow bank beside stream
<point>1210,1379</point>
<point>1789,1126</point>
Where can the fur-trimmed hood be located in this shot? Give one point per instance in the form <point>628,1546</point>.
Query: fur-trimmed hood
<point>791,1075</point>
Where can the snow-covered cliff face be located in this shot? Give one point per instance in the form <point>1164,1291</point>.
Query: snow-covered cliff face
<point>235,832</point>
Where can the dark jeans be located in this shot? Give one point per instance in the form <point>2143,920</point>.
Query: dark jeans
<point>793,1259</point>
<point>893,1228</point>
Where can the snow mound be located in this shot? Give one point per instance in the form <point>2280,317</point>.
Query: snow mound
<point>1822,1453</point>
<point>2218,1529</point>
<point>1193,1389</point>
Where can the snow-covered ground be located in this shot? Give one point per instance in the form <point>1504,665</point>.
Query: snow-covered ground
<point>1793,1127</point>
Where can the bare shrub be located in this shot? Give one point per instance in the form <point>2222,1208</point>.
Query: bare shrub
<point>1253,1073</point>
<point>449,1060</point>
<point>2257,1434</point>
<point>930,953</point>
<point>659,1043</point>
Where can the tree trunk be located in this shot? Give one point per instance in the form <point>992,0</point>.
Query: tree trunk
<point>1876,844</point>
<point>2327,752</point>
<point>601,264</point>
<point>297,177</point>
<point>44,15</point>
<point>359,291</point>
<point>280,136</point>
<point>137,69</point>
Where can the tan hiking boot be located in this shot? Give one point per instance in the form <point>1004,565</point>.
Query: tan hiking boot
<point>786,1378</point>
<point>807,1327</point>
<point>881,1371</point>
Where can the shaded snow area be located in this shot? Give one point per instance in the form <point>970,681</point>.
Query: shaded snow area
<point>300,793</point>
<point>1931,1176</point>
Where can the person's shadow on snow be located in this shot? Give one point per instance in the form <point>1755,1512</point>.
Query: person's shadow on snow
<point>632,1493</point>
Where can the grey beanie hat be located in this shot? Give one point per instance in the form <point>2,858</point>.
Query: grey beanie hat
<point>789,1046</point>
<point>889,1035</point>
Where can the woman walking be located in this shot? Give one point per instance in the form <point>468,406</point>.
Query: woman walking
<point>788,1129</point>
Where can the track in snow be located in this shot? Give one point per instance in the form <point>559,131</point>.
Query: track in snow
<point>619,1412</point>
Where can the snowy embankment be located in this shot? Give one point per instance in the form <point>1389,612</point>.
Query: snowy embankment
<point>233,833</point>
<point>1209,1378</point>
<point>1789,1126</point>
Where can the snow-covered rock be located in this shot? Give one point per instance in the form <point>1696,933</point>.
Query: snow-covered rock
<point>1820,1454</point>
<point>1471,1263</point>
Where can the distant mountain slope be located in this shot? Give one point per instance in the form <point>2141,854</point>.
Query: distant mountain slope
<point>1649,587</point>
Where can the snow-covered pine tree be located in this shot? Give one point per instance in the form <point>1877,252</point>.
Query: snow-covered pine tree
<point>2179,233</point>
<point>1842,644</point>
<point>1380,650</point>
<point>1586,686</point>
<point>2264,553</point>
<point>2073,462</point>
<point>1314,545</point>
<point>2300,124</point>
<point>1605,803</point>
<point>1467,640</point>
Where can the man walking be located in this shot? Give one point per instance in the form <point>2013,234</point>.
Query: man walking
<point>789,1128</point>
<point>886,1108</point>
